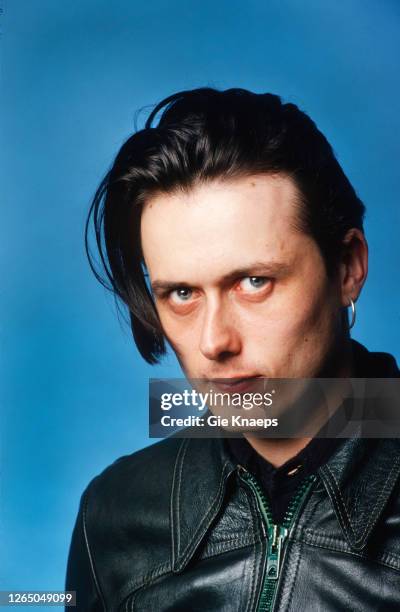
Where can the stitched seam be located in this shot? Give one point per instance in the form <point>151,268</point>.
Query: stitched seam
<point>246,538</point>
<point>258,574</point>
<point>179,494</point>
<point>376,509</point>
<point>340,496</point>
<point>215,502</point>
<point>296,570</point>
<point>91,562</point>
<point>328,541</point>
<point>132,598</point>
<point>338,506</point>
<point>389,555</point>
<point>219,548</point>
<point>130,602</point>
<point>386,489</point>
<point>252,580</point>
<point>305,518</point>
<point>321,539</point>
<point>259,541</point>
<point>309,534</point>
<point>309,518</point>
<point>249,539</point>
<point>147,579</point>
<point>353,554</point>
<point>175,545</point>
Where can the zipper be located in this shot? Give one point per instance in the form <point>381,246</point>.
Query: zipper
<point>276,534</point>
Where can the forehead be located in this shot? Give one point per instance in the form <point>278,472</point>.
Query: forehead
<point>220,225</point>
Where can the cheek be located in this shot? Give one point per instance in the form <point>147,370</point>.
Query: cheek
<point>288,316</point>
<point>297,330</point>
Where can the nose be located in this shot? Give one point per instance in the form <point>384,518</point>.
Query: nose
<point>219,337</point>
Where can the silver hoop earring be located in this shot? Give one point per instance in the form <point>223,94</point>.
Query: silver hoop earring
<point>353,313</point>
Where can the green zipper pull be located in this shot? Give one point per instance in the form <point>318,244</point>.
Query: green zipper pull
<point>276,539</point>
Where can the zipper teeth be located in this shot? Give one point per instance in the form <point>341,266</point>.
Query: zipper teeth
<point>293,505</point>
<point>267,596</point>
<point>270,586</point>
<point>262,496</point>
<point>287,519</point>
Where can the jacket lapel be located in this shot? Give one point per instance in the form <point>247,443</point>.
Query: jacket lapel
<point>359,480</point>
<point>201,472</point>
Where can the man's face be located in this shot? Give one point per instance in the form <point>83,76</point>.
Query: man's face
<point>240,292</point>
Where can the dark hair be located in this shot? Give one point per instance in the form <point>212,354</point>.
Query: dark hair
<point>203,134</point>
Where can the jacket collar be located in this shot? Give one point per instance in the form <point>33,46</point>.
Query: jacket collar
<point>201,472</point>
<point>359,480</point>
<point>360,477</point>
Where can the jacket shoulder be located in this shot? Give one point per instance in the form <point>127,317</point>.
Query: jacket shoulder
<point>133,477</point>
<point>125,512</point>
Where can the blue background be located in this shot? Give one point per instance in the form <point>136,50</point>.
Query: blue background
<point>73,388</point>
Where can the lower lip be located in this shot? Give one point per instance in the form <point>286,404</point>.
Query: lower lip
<point>247,384</point>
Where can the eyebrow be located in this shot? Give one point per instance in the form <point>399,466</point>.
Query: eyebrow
<point>257,268</point>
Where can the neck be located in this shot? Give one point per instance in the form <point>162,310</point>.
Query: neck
<point>278,451</point>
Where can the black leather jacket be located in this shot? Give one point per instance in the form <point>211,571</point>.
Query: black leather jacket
<point>179,526</point>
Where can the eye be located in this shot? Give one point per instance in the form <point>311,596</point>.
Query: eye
<point>252,284</point>
<point>183,294</point>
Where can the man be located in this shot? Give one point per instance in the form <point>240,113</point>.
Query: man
<point>252,239</point>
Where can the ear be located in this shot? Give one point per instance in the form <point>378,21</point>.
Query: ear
<point>353,265</point>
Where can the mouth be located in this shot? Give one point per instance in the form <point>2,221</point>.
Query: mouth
<point>235,384</point>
